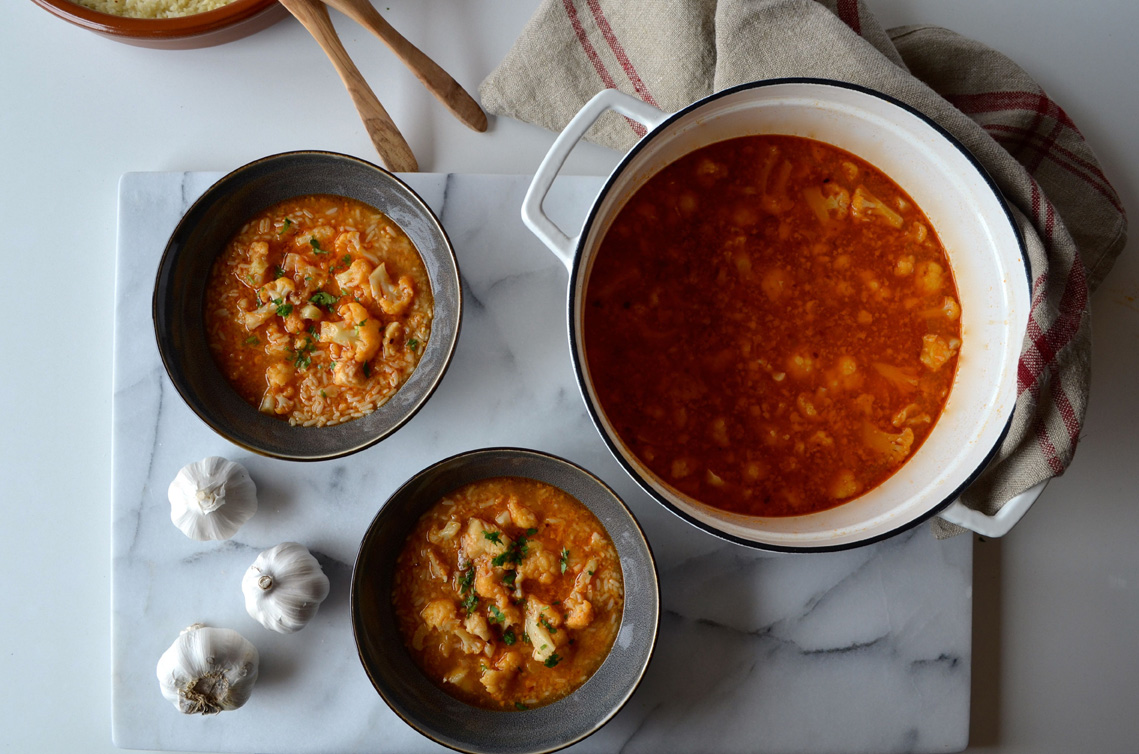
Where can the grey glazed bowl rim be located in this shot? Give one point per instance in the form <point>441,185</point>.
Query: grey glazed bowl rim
<point>223,190</point>
<point>497,458</point>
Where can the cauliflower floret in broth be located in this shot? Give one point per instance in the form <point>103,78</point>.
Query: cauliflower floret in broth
<point>866,206</point>
<point>522,516</point>
<point>355,277</point>
<point>279,374</point>
<point>316,241</point>
<point>483,539</point>
<point>277,291</point>
<point>439,614</point>
<point>357,330</point>
<point>579,611</point>
<point>393,297</point>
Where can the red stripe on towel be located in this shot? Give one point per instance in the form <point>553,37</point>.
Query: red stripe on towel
<point>1063,158</point>
<point>848,14</point>
<point>619,52</point>
<point>595,59</point>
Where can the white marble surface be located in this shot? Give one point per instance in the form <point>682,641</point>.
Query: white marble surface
<point>1055,603</point>
<point>863,651</point>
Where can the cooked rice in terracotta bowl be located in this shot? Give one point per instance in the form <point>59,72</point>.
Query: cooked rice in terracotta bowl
<point>169,24</point>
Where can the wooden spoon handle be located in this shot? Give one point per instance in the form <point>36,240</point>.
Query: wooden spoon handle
<point>430,74</point>
<point>394,152</point>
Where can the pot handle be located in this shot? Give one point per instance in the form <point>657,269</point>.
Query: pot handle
<point>532,214</point>
<point>998,524</point>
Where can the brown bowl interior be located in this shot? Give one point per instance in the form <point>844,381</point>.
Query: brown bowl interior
<point>238,19</point>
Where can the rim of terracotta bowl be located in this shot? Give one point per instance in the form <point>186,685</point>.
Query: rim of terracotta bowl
<point>248,15</point>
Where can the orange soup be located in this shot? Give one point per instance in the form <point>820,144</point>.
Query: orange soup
<point>771,326</point>
<point>318,310</point>
<point>508,593</point>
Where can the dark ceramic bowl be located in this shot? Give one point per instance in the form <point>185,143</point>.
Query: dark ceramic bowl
<point>441,717</point>
<point>179,294</point>
<point>238,19</point>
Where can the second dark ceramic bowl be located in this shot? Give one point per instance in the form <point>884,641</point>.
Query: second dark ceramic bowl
<point>441,717</point>
<point>179,295</point>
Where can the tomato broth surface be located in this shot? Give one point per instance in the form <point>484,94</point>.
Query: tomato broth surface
<point>771,326</point>
<point>508,593</point>
<point>318,310</point>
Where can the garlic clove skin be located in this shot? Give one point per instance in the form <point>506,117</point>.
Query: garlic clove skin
<point>208,670</point>
<point>211,499</point>
<point>284,587</point>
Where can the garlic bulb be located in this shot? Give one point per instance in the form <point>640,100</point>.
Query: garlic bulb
<point>212,498</point>
<point>284,587</point>
<point>208,670</point>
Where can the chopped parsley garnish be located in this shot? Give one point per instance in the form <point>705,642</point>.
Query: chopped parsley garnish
<point>508,637</point>
<point>546,623</point>
<point>283,309</point>
<point>303,360</point>
<point>493,536</point>
<point>520,706</point>
<point>553,660</point>
<point>525,637</point>
<point>517,550</point>
<point>466,581</point>
<point>315,244</point>
<point>252,340</point>
<point>367,369</point>
<point>346,259</point>
<point>412,343</point>
<point>508,578</point>
<point>320,298</point>
<point>496,615</point>
<point>285,227</point>
<point>471,603</point>
<point>565,559</point>
<point>278,271</point>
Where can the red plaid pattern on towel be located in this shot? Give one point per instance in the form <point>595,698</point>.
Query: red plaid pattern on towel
<point>671,53</point>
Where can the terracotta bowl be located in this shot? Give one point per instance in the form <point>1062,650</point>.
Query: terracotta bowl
<point>234,21</point>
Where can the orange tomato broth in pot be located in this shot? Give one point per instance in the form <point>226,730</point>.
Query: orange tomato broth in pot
<point>771,326</point>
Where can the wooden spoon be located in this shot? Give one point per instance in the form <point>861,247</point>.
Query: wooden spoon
<point>394,152</point>
<point>437,81</point>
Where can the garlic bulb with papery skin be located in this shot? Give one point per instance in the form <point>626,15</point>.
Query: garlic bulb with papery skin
<point>208,670</point>
<point>284,587</point>
<point>212,498</point>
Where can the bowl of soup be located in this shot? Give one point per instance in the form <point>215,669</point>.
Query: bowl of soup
<point>795,310</point>
<point>307,305</point>
<point>505,600</point>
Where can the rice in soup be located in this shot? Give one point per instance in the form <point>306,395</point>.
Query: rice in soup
<point>318,310</point>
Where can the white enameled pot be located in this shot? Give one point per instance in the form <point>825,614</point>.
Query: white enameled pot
<point>985,251</point>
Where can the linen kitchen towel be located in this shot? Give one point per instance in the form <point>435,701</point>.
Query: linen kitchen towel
<point>671,53</point>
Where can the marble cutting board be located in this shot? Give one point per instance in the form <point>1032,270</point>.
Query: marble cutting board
<point>860,651</point>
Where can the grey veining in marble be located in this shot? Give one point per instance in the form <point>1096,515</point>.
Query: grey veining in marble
<point>860,651</point>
